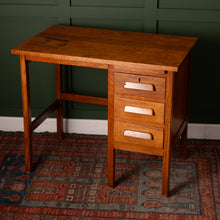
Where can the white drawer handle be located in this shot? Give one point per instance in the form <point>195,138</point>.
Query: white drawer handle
<point>137,110</point>
<point>137,134</point>
<point>139,86</point>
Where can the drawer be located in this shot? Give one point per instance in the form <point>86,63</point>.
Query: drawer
<point>139,87</point>
<point>139,110</point>
<point>138,135</point>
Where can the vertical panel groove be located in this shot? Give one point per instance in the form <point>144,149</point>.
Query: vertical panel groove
<point>150,16</point>
<point>64,11</point>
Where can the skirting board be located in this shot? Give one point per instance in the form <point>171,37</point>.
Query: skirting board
<point>100,127</point>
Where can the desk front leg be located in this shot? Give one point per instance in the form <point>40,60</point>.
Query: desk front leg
<point>167,135</point>
<point>25,86</point>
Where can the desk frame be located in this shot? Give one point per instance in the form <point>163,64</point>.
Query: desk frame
<point>57,106</point>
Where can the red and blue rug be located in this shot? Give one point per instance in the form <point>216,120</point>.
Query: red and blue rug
<point>69,181</point>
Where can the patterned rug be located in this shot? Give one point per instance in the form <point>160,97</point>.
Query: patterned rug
<point>69,181</point>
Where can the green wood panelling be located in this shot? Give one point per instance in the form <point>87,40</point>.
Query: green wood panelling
<point>190,4</point>
<point>88,81</point>
<point>107,12</point>
<point>150,16</point>
<point>28,11</point>
<point>84,82</point>
<point>107,3</point>
<point>64,12</point>
<point>21,19</point>
<point>29,2</point>
<point>174,18</point>
<point>188,15</point>
<point>15,29</point>
<point>204,24</point>
<point>204,100</point>
<point>128,25</point>
<point>124,18</point>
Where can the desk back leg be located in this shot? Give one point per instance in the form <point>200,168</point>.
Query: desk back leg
<point>25,87</point>
<point>59,109</point>
<point>111,151</point>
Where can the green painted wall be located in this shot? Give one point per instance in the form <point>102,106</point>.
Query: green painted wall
<point>21,19</point>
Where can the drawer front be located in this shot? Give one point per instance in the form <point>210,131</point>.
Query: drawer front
<point>138,135</point>
<point>139,87</point>
<point>139,110</point>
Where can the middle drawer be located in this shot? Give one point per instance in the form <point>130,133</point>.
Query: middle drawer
<point>139,110</point>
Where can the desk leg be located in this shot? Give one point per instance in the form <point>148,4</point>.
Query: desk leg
<point>25,86</point>
<point>166,175</point>
<point>184,142</point>
<point>111,151</point>
<point>59,101</point>
<point>167,135</point>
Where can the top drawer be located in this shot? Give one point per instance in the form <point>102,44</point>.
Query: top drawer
<point>139,87</point>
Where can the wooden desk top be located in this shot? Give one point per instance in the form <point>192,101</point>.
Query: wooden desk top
<point>107,47</point>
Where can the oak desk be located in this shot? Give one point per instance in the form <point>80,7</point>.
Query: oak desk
<point>148,87</point>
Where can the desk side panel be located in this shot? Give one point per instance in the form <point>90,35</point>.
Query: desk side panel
<point>180,101</point>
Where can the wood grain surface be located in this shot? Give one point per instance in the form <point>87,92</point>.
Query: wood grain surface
<point>100,46</point>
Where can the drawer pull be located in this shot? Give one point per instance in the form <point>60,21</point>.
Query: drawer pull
<point>137,110</point>
<point>136,134</point>
<point>139,86</point>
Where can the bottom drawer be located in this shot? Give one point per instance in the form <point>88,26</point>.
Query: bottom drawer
<point>138,135</point>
